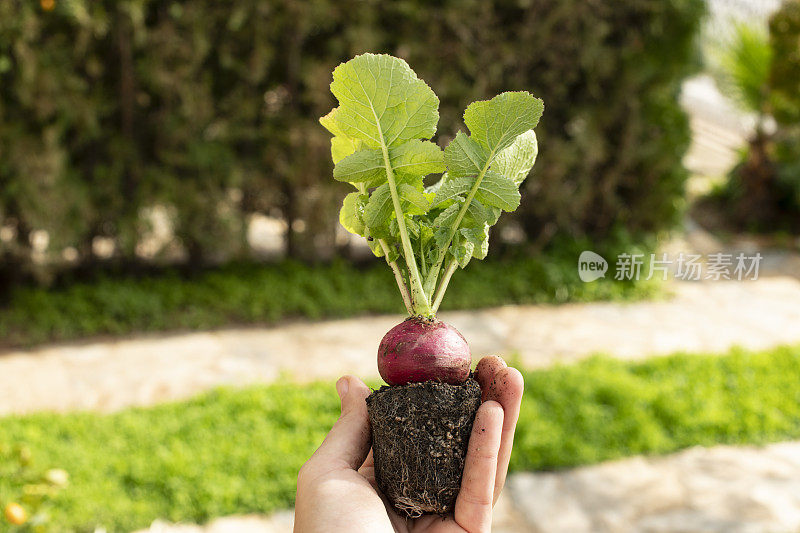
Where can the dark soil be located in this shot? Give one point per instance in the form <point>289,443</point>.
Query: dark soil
<point>420,433</point>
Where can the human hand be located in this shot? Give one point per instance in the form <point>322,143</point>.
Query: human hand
<point>336,488</point>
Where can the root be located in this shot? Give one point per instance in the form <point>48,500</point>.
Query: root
<point>408,507</point>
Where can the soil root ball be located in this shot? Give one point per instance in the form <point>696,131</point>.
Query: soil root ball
<point>420,433</point>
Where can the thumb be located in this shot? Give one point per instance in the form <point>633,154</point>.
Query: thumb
<point>349,439</point>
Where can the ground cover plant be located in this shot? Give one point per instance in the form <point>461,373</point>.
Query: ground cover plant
<point>250,293</point>
<point>381,145</point>
<point>237,451</point>
<point>28,489</point>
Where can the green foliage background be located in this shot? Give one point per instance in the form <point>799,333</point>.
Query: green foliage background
<point>108,107</point>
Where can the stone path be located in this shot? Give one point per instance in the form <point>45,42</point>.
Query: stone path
<point>506,519</point>
<point>278,523</point>
<point>109,375</point>
<point>718,128</point>
<point>700,490</point>
<point>714,490</point>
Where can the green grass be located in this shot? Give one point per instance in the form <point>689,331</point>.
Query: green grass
<point>263,294</point>
<point>238,451</point>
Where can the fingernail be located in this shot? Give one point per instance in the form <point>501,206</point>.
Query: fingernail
<point>342,386</point>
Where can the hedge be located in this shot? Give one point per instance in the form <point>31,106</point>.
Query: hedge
<point>111,107</point>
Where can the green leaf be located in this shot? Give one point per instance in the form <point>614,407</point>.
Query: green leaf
<point>417,158</point>
<point>453,189</point>
<point>443,222</point>
<point>447,217</point>
<point>378,211</point>
<point>480,238</point>
<point>364,166</point>
<point>386,106</point>
<point>425,233</point>
<point>409,160</point>
<point>412,199</point>
<point>476,215</point>
<point>330,124</point>
<point>380,97</point>
<point>496,123</point>
<point>477,184</point>
<point>462,251</point>
<point>480,252</point>
<point>498,191</point>
<point>464,157</point>
<point>411,224</point>
<point>351,216</point>
<point>393,254</point>
<point>381,130</point>
<point>341,144</point>
<point>375,246</point>
<point>493,215</point>
<point>470,243</point>
<point>494,190</point>
<point>341,147</point>
<point>516,161</point>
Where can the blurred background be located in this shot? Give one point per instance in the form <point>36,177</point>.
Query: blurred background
<point>177,296</point>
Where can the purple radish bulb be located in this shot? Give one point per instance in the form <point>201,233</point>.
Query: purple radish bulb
<point>420,349</point>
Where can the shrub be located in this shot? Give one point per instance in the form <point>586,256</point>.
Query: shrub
<point>785,80</point>
<point>110,107</point>
<point>784,31</point>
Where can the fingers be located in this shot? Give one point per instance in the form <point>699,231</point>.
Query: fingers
<point>485,372</point>
<point>507,391</point>
<point>367,469</point>
<point>505,386</point>
<point>369,462</point>
<point>349,440</point>
<point>473,510</point>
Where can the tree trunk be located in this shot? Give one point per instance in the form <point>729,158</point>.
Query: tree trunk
<point>758,176</point>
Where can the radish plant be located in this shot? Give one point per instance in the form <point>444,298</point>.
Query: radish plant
<point>381,145</point>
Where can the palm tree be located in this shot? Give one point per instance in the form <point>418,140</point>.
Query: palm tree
<point>742,70</point>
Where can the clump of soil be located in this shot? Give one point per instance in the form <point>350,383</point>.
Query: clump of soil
<point>420,433</point>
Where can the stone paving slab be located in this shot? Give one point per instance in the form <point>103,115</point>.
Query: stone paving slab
<point>701,316</point>
<point>282,522</point>
<point>506,519</point>
<point>700,490</point>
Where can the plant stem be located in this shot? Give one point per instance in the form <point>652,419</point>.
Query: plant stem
<point>433,273</point>
<point>443,285</point>
<point>419,300</point>
<point>398,276</point>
